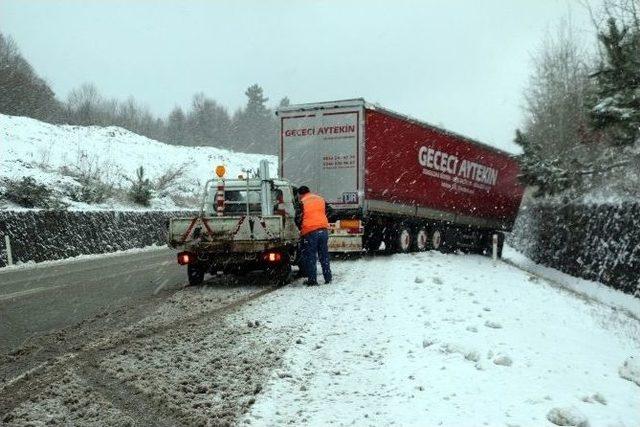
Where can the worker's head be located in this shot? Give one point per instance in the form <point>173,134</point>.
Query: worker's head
<point>302,190</point>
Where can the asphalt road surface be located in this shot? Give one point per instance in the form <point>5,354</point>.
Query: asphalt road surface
<point>42,298</point>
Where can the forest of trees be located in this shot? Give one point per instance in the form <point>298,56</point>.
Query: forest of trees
<point>250,129</point>
<point>582,125</point>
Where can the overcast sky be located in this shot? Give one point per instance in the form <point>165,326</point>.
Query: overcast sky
<point>459,63</point>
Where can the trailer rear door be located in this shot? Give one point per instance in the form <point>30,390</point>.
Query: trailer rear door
<point>321,148</point>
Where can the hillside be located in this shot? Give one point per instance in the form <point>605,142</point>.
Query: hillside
<point>72,160</point>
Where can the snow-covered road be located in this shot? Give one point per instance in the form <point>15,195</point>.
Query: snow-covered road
<point>428,339</point>
<point>417,339</point>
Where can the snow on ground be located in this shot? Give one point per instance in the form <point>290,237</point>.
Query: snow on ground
<point>590,289</point>
<point>29,147</point>
<point>414,339</point>
<point>428,338</point>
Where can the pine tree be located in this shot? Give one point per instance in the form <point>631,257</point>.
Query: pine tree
<point>255,127</point>
<point>140,191</point>
<point>617,107</point>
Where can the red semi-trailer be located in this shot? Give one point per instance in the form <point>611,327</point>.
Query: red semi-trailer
<point>393,179</point>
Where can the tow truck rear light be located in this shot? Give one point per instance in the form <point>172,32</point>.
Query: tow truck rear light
<point>272,256</point>
<point>185,258</point>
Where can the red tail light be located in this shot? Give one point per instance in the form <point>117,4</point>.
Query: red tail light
<point>185,258</point>
<point>272,257</point>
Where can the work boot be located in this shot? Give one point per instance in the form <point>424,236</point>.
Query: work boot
<point>309,283</point>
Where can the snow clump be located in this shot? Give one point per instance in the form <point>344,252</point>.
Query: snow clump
<point>630,370</point>
<point>568,416</point>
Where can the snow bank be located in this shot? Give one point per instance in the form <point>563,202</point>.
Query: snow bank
<point>589,289</point>
<point>630,370</point>
<point>29,147</point>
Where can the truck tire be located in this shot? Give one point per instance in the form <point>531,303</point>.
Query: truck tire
<point>420,241</point>
<point>372,241</point>
<point>435,242</point>
<point>195,273</point>
<point>403,240</point>
<point>281,274</point>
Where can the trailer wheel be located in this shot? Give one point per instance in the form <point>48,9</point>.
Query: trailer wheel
<point>436,240</point>
<point>420,240</point>
<point>195,273</point>
<point>403,240</point>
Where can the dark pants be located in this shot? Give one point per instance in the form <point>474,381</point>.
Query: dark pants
<point>315,245</point>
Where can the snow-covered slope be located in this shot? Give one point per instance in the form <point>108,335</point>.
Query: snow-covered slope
<point>55,155</point>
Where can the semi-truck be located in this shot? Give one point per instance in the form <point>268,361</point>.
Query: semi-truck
<point>396,183</point>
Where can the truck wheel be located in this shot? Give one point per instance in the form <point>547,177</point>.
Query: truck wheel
<point>436,239</point>
<point>195,273</point>
<point>280,274</point>
<point>420,240</point>
<point>403,240</point>
<point>372,242</point>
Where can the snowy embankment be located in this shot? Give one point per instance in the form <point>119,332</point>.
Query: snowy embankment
<point>56,155</point>
<point>589,289</point>
<point>428,339</point>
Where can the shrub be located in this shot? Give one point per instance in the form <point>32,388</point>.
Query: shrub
<point>169,178</point>
<point>89,191</point>
<point>26,192</point>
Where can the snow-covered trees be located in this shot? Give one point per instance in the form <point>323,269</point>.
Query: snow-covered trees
<point>22,92</point>
<point>556,129</point>
<point>618,80</point>
<point>255,125</point>
<point>581,135</point>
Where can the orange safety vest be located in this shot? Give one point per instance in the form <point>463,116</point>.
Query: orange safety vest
<point>313,213</point>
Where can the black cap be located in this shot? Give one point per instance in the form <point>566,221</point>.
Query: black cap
<point>303,190</point>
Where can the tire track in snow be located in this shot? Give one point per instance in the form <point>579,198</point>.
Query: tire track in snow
<point>23,387</point>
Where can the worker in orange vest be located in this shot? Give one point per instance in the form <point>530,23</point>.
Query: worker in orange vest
<point>314,229</point>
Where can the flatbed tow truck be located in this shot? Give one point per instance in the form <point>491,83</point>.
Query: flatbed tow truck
<point>244,224</point>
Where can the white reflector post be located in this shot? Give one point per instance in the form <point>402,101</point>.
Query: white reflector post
<point>7,242</point>
<point>495,248</point>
